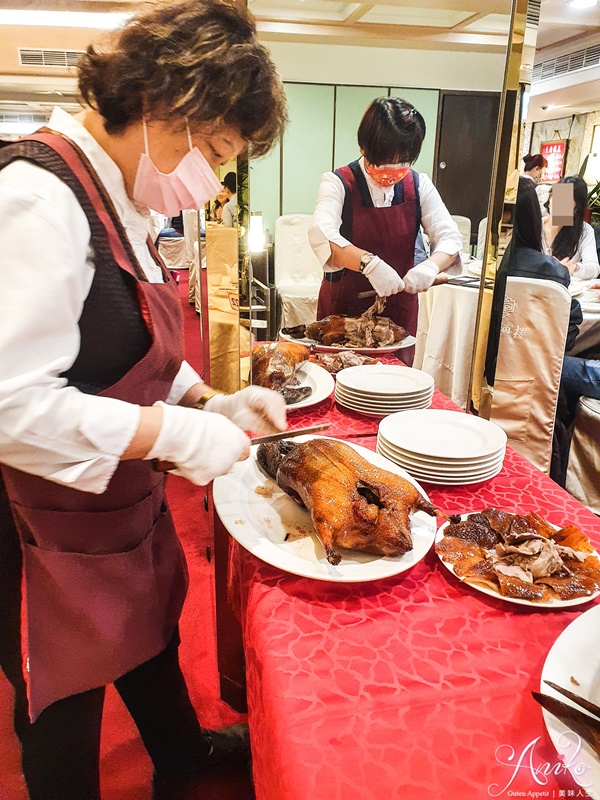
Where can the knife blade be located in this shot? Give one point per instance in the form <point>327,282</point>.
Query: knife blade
<point>167,466</point>
<point>290,434</point>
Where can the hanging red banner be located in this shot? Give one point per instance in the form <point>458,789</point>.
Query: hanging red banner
<point>554,153</point>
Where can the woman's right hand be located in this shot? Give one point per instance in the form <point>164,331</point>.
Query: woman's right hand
<point>383,278</point>
<point>203,446</point>
<point>570,264</point>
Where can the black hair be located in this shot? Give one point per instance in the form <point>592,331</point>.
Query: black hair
<point>391,132</point>
<point>566,243</point>
<point>527,228</point>
<point>230,182</point>
<point>531,162</point>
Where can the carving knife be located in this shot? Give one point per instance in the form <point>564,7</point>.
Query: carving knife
<point>165,466</point>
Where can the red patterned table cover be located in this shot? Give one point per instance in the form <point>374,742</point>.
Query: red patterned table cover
<point>415,687</point>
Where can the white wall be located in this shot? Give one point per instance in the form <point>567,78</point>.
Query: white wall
<point>380,66</point>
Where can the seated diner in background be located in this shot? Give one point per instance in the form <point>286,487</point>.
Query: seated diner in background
<point>573,245</point>
<point>368,215</point>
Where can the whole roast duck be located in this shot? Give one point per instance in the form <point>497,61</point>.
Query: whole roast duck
<point>274,367</point>
<point>353,504</point>
<point>369,330</point>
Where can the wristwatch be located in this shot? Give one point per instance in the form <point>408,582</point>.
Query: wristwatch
<point>206,397</point>
<point>365,260</point>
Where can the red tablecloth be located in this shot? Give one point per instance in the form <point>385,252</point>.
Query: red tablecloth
<point>415,687</point>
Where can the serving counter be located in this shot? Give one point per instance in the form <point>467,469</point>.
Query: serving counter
<point>415,687</point>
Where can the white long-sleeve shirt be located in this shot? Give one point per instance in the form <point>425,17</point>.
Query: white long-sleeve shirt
<point>436,221</point>
<point>46,427</point>
<point>586,255</point>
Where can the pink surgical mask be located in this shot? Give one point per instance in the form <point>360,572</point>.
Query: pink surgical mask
<point>387,174</point>
<point>191,184</point>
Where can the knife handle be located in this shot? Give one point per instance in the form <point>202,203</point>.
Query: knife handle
<point>162,466</point>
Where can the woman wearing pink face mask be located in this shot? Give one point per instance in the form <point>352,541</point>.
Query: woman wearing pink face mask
<point>368,216</point>
<point>93,387</point>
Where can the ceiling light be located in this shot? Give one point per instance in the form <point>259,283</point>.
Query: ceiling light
<point>63,19</point>
<point>582,3</point>
<point>525,66</point>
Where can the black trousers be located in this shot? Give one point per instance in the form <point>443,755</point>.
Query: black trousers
<point>60,750</point>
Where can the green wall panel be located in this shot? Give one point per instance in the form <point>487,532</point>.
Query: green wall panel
<point>350,104</point>
<point>426,102</point>
<point>307,145</point>
<point>265,177</point>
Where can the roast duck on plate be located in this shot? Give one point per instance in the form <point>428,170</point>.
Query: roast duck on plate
<point>274,367</point>
<point>353,504</point>
<point>521,556</point>
<point>369,330</point>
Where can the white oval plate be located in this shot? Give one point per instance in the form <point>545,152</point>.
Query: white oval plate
<point>450,471</point>
<point>394,405</point>
<point>385,380</point>
<point>319,380</point>
<point>260,524</point>
<point>576,601</point>
<point>422,462</point>
<point>449,435</point>
<point>575,654</point>
<point>408,341</point>
<point>370,412</point>
<point>402,401</point>
<point>444,480</point>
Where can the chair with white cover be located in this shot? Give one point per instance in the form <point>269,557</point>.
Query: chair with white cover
<point>464,226</point>
<point>530,356</point>
<point>481,238</point>
<point>191,234</point>
<point>174,252</point>
<point>298,272</point>
<point>583,473</point>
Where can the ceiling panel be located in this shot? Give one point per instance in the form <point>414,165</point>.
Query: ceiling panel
<point>303,10</point>
<point>490,23</point>
<point>427,17</point>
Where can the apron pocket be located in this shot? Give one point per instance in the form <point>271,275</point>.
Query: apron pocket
<point>92,617</point>
<point>90,532</point>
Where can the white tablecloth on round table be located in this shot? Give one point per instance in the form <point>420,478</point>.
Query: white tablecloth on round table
<point>445,336</point>
<point>589,332</point>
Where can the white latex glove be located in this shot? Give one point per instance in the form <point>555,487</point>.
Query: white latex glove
<point>252,409</point>
<point>421,277</point>
<point>202,446</point>
<point>383,278</point>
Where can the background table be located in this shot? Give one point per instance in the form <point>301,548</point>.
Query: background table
<point>414,687</point>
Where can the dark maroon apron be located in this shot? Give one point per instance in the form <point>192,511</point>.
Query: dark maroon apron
<point>388,232</point>
<point>104,574</point>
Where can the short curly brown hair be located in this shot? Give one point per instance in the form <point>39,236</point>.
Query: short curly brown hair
<point>192,59</point>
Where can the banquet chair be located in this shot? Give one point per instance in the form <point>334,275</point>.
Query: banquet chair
<point>174,251</point>
<point>530,356</point>
<point>481,238</point>
<point>298,272</point>
<point>464,226</point>
<point>583,472</point>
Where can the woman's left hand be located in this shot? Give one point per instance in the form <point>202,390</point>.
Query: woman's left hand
<point>421,277</point>
<point>252,409</point>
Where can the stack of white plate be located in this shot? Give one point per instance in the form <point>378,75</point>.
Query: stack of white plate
<point>446,447</point>
<point>380,389</point>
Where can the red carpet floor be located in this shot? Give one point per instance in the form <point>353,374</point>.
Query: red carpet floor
<point>125,767</point>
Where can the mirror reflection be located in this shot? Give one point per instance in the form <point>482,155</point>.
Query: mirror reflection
<point>544,340</point>
<point>447,59</point>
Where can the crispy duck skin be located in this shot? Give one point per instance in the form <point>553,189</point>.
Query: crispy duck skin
<point>274,367</point>
<point>471,545</point>
<point>353,504</point>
